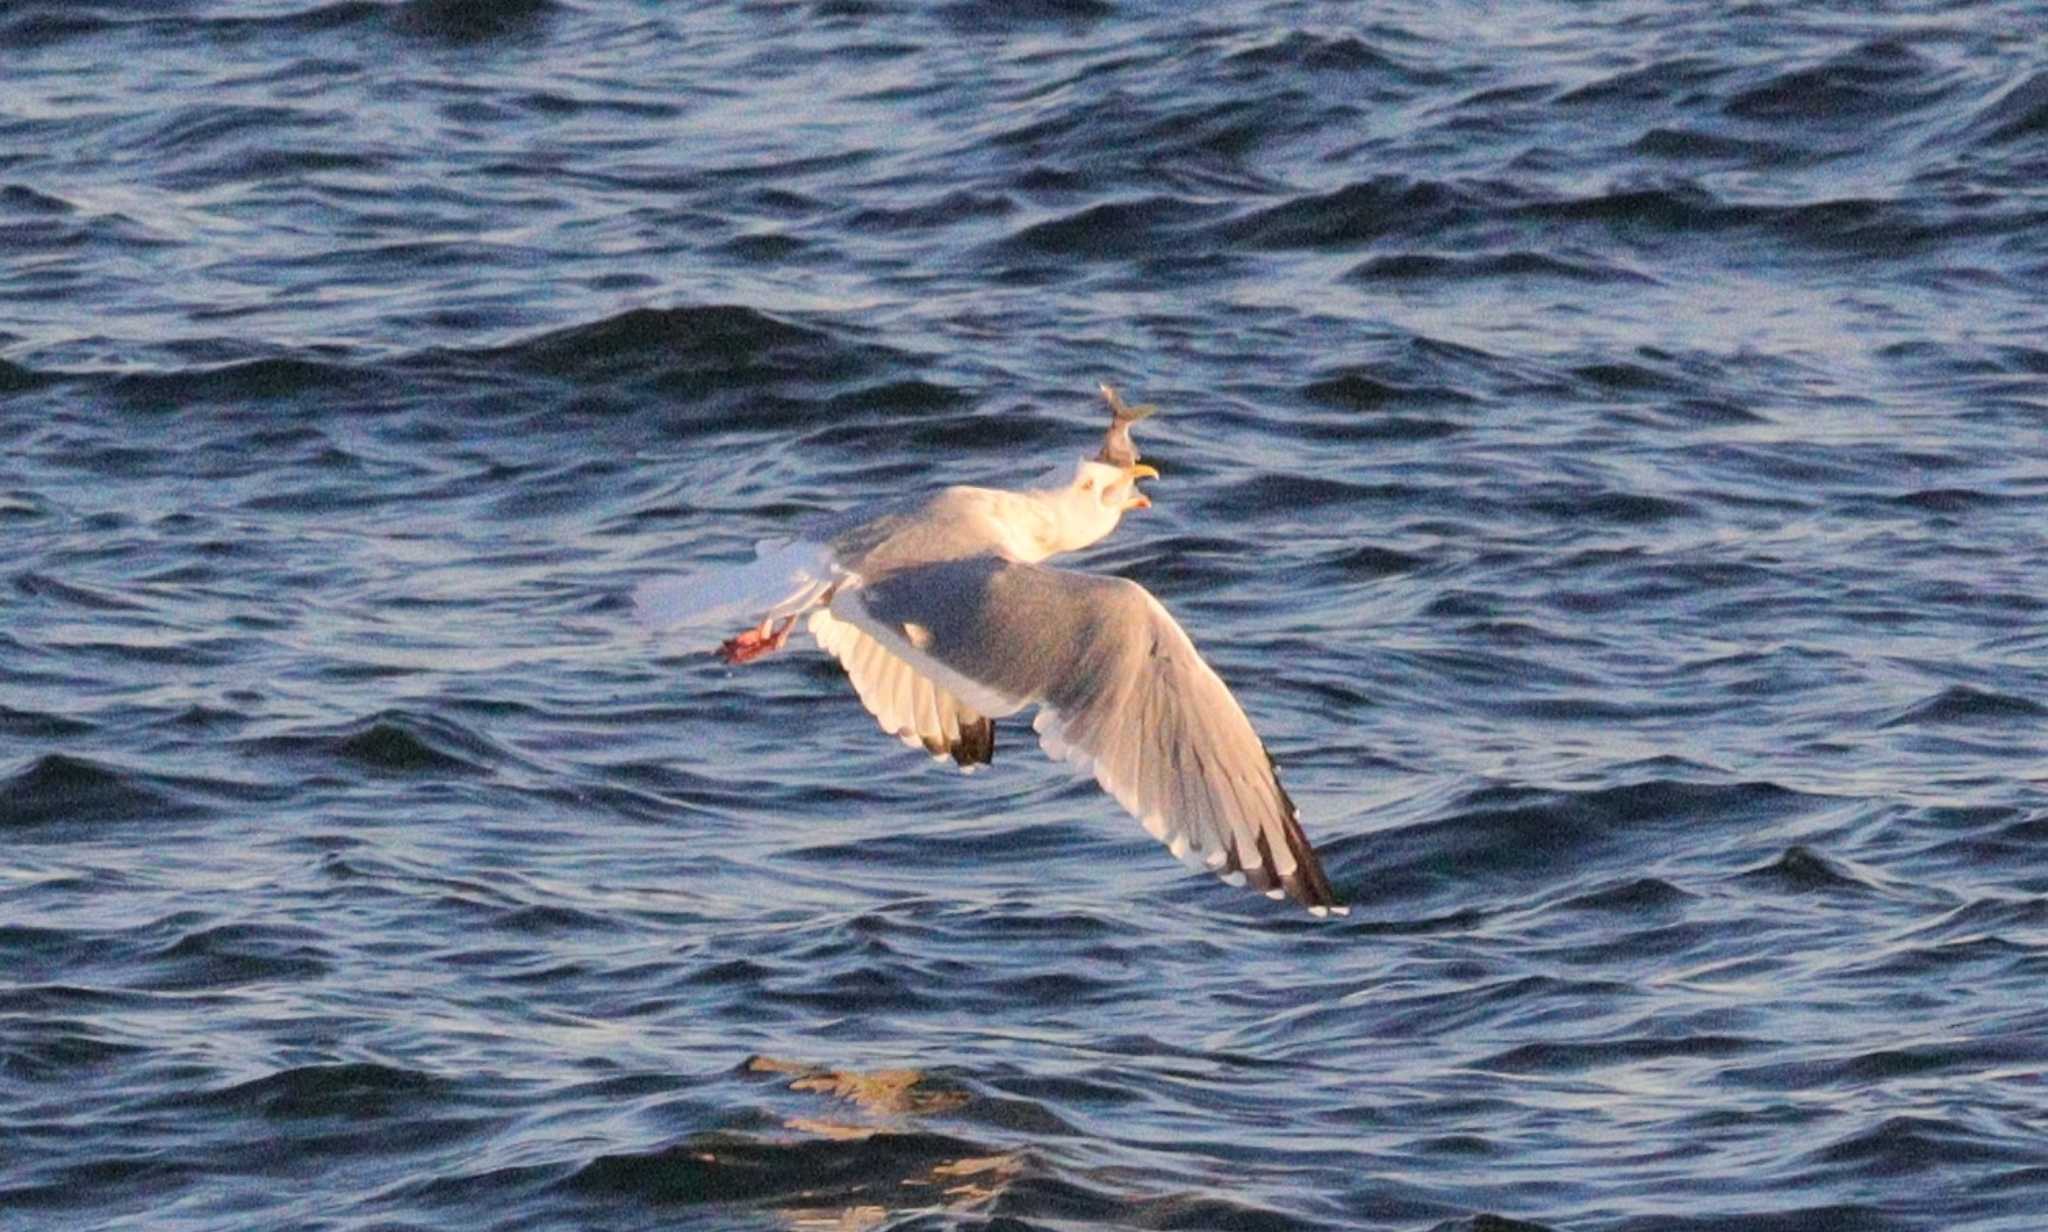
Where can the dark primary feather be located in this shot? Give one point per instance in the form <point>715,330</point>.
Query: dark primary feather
<point>977,746</point>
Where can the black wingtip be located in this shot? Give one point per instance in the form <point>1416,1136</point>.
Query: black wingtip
<point>977,746</point>
<point>1307,885</point>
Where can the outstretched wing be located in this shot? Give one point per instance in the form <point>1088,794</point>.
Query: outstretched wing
<point>904,701</point>
<point>1120,690</point>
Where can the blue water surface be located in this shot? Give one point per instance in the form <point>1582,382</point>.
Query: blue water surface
<point>1604,446</point>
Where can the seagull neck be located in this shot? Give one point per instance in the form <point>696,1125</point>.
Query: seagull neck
<point>1034,524</point>
<point>1062,520</point>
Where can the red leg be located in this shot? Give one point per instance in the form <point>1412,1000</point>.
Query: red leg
<point>754,643</point>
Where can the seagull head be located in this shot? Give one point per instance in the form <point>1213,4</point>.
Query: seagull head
<point>1095,500</point>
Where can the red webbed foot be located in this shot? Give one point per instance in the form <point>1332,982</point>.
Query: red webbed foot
<point>754,643</point>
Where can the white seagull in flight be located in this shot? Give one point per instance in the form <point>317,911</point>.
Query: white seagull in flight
<point>945,620</point>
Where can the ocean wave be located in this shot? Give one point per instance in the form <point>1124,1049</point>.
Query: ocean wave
<point>61,790</point>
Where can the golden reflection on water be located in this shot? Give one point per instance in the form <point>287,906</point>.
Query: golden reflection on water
<point>885,1101</point>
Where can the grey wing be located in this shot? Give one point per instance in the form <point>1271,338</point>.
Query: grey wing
<point>904,701</point>
<point>1120,690</point>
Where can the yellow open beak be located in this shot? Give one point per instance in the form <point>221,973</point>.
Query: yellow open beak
<point>1137,471</point>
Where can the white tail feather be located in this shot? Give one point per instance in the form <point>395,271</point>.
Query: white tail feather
<point>783,579</point>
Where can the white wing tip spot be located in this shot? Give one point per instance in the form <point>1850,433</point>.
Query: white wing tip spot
<point>917,635</point>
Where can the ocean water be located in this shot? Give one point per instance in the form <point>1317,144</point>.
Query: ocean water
<point>1605,447</point>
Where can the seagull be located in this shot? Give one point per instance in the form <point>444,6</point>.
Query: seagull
<point>941,610</point>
